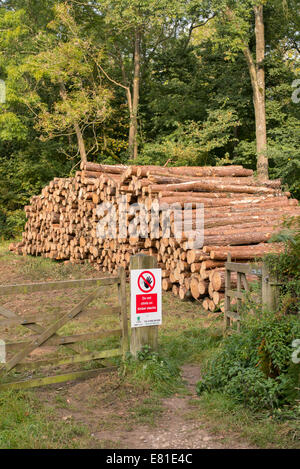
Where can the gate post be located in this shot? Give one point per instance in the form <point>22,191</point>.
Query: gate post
<point>227,298</point>
<point>141,336</point>
<point>269,289</point>
<point>123,306</point>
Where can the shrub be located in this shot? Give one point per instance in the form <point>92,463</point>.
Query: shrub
<point>255,367</point>
<point>11,223</point>
<point>286,266</point>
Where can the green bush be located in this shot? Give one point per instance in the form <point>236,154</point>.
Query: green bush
<point>11,223</point>
<point>286,267</point>
<point>255,367</point>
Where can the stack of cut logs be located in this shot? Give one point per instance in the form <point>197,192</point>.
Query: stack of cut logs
<point>77,219</point>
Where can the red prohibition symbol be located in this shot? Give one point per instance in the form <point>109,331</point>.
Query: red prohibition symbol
<point>146,281</point>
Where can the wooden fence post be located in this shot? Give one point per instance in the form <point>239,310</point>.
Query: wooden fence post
<point>269,289</point>
<point>123,305</point>
<point>227,298</point>
<point>141,336</point>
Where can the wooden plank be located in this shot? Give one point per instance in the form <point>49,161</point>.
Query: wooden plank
<point>13,318</point>
<point>123,315</point>
<point>46,286</point>
<point>235,294</point>
<point>245,282</point>
<point>52,329</point>
<point>270,289</point>
<point>238,267</point>
<point>227,297</point>
<point>34,318</point>
<point>242,270</point>
<point>70,360</point>
<point>23,321</point>
<point>25,384</point>
<point>7,313</point>
<point>65,340</point>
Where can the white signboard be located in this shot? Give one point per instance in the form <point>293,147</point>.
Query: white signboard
<point>145,287</point>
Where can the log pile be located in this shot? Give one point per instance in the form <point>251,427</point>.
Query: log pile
<point>94,216</point>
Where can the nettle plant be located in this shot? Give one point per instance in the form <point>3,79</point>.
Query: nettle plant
<point>285,266</point>
<point>255,367</point>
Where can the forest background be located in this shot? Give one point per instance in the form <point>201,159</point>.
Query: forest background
<point>197,82</point>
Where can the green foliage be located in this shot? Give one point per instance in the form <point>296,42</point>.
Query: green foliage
<point>195,104</point>
<point>255,367</point>
<point>285,266</point>
<point>287,263</point>
<point>21,177</point>
<point>154,371</point>
<point>12,224</point>
<point>68,62</point>
<point>192,143</point>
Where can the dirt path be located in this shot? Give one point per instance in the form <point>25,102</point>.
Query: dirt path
<point>174,429</point>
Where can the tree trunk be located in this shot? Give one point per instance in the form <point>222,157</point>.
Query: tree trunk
<point>80,141</point>
<point>133,144</point>
<point>257,75</point>
<point>261,128</point>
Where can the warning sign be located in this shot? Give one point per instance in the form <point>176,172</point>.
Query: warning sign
<point>146,303</point>
<point>145,297</point>
<point>146,281</point>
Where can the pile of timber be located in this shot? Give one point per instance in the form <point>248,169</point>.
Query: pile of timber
<point>240,216</point>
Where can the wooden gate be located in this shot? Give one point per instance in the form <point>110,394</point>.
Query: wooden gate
<point>269,288</point>
<point>242,287</point>
<point>48,336</point>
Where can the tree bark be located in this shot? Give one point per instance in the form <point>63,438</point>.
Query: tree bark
<point>80,141</point>
<point>81,145</point>
<point>133,144</point>
<point>257,75</point>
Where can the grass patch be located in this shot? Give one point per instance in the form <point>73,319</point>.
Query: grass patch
<point>152,372</point>
<point>148,412</point>
<point>227,417</point>
<point>26,423</point>
<point>191,345</point>
<point>39,268</point>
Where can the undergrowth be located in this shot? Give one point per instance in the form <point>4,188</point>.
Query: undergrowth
<point>285,267</point>
<point>152,371</point>
<point>255,367</point>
